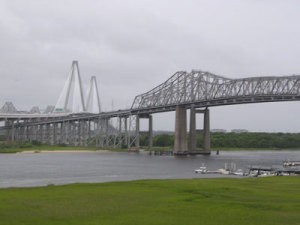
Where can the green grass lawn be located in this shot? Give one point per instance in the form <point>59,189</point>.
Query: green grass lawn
<point>261,201</point>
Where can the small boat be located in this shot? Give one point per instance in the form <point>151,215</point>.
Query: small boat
<point>238,172</point>
<point>224,171</point>
<point>261,171</point>
<point>291,163</point>
<point>201,169</point>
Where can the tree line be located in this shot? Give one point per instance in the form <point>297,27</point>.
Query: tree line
<point>218,140</point>
<point>234,140</point>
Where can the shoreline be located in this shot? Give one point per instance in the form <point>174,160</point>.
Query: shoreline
<point>213,151</point>
<point>61,151</point>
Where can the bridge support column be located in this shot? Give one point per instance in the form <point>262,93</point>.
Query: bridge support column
<point>68,132</point>
<point>107,134</point>
<point>72,133</point>
<point>180,146</point>
<point>150,128</point>
<point>97,132</point>
<point>150,132</point>
<point>44,133</point>
<point>126,132</point>
<point>62,135</point>
<point>137,130</point>
<point>10,133</point>
<point>54,134</point>
<point>31,133</point>
<point>79,128</point>
<point>89,128</point>
<point>49,134</point>
<point>34,132</point>
<point>101,132</point>
<point>65,133</point>
<point>206,132</point>
<point>119,138</point>
<point>192,134</point>
<point>26,136</point>
<point>17,136</point>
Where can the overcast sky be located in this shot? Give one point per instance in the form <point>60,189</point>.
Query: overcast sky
<point>134,45</point>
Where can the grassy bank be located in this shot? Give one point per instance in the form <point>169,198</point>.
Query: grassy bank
<point>267,201</point>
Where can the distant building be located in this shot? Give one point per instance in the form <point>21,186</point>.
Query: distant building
<point>218,131</point>
<point>238,131</point>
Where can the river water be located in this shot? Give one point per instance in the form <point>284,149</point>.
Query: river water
<point>40,169</point>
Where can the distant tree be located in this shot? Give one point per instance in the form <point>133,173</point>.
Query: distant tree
<point>163,140</point>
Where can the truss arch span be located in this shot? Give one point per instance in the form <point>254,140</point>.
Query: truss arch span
<point>202,89</point>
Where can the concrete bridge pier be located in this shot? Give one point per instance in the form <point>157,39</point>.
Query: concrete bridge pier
<point>150,129</point>
<point>137,132</point>
<point>100,140</point>
<point>48,134</point>
<point>10,133</point>
<point>192,133</point>
<point>126,132</point>
<point>34,131</point>
<point>89,132</point>
<point>122,136</point>
<point>42,133</point>
<point>54,134</point>
<point>62,137</point>
<point>206,132</point>
<point>180,145</point>
<point>17,134</point>
<point>71,133</point>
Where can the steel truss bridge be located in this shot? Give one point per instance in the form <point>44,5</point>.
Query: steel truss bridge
<point>196,91</point>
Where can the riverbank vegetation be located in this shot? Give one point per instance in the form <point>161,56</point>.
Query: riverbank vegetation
<point>255,201</point>
<point>233,141</point>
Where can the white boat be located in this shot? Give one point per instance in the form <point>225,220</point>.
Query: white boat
<point>238,172</point>
<point>259,171</point>
<point>291,163</point>
<point>224,171</point>
<point>201,169</point>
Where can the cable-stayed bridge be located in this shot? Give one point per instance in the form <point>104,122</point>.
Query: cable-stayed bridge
<point>75,121</point>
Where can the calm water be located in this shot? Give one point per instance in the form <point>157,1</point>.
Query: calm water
<point>39,169</point>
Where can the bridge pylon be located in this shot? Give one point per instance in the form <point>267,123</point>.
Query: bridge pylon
<point>180,142</point>
<point>180,145</point>
<point>93,100</point>
<point>71,98</point>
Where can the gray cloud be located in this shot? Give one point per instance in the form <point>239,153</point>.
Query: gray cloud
<point>132,46</point>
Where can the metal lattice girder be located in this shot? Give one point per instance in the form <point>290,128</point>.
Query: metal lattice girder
<point>106,134</point>
<point>206,89</point>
